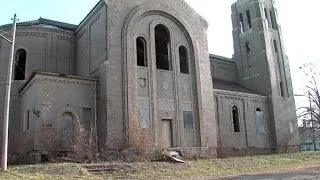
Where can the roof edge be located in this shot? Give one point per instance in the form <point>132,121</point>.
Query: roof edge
<point>221,58</point>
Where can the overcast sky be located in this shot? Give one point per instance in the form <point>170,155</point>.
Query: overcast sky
<point>299,20</point>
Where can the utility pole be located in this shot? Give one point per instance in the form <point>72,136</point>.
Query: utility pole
<point>4,155</point>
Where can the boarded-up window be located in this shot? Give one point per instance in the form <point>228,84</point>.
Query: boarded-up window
<point>47,115</point>
<point>144,118</point>
<point>27,121</point>
<point>188,119</point>
<point>260,121</point>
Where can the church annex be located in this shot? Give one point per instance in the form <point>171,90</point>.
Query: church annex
<point>138,74</point>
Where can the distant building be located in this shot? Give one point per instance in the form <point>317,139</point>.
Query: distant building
<point>138,74</point>
<point>309,137</point>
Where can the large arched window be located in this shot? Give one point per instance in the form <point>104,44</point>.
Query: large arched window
<point>162,42</point>
<point>184,63</point>
<point>141,52</point>
<point>20,65</point>
<point>235,119</point>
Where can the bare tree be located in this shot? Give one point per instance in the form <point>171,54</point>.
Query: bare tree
<point>310,114</point>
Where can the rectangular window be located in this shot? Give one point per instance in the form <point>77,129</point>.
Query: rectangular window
<point>281,89</point>
<point>241,23</point>
<point>249,19</point>
<point>144,118</point>
<point>188,119</point>
<point>275,46</point>
<point>273,20</point>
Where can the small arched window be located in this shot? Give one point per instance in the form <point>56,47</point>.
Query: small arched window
<point>184,62</point>
<point>20,64</point>
<point>260,121</point>
<point>235,118</point>
<point>141,52</point>
<point>163,49</point>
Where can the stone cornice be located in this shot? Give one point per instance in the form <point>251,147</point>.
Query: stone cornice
<point>235,94</point>
<point>40,29</point>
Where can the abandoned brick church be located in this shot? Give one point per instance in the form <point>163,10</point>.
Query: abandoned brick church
<point>138,74</point>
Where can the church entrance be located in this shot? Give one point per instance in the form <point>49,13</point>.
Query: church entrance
<point>67,130</point>
<point>166,133</point>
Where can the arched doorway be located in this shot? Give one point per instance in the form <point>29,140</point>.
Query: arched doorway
<point>67,130</point>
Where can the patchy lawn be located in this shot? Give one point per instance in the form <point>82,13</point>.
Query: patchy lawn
<point>164,170</point>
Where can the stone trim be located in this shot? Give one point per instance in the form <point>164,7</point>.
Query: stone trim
<point>225,93</point>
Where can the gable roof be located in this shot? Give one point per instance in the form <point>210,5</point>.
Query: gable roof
<point>43,21</point>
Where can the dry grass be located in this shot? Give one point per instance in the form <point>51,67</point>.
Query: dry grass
<point>164,170</point>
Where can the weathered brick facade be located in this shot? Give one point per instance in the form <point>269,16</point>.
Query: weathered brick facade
<point>209,105</point>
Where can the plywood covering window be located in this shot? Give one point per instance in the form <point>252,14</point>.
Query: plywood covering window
<point>259,121</point>
<point>188,119</point>
<point>184,62</point>
<point>163,49</point>
<point>235,119</point>
<point>20,65</point>
<point>141,52</point>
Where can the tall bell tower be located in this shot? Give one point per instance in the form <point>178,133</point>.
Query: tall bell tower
<point>263,66</point>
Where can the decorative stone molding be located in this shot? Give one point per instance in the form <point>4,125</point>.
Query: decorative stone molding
<point>67,38</point>
<point>65,81</point>
<point>95,19</point>
<point>234,98</point>
<point>44,29</point>
<point>81,33</point>
<point>38,34</point>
